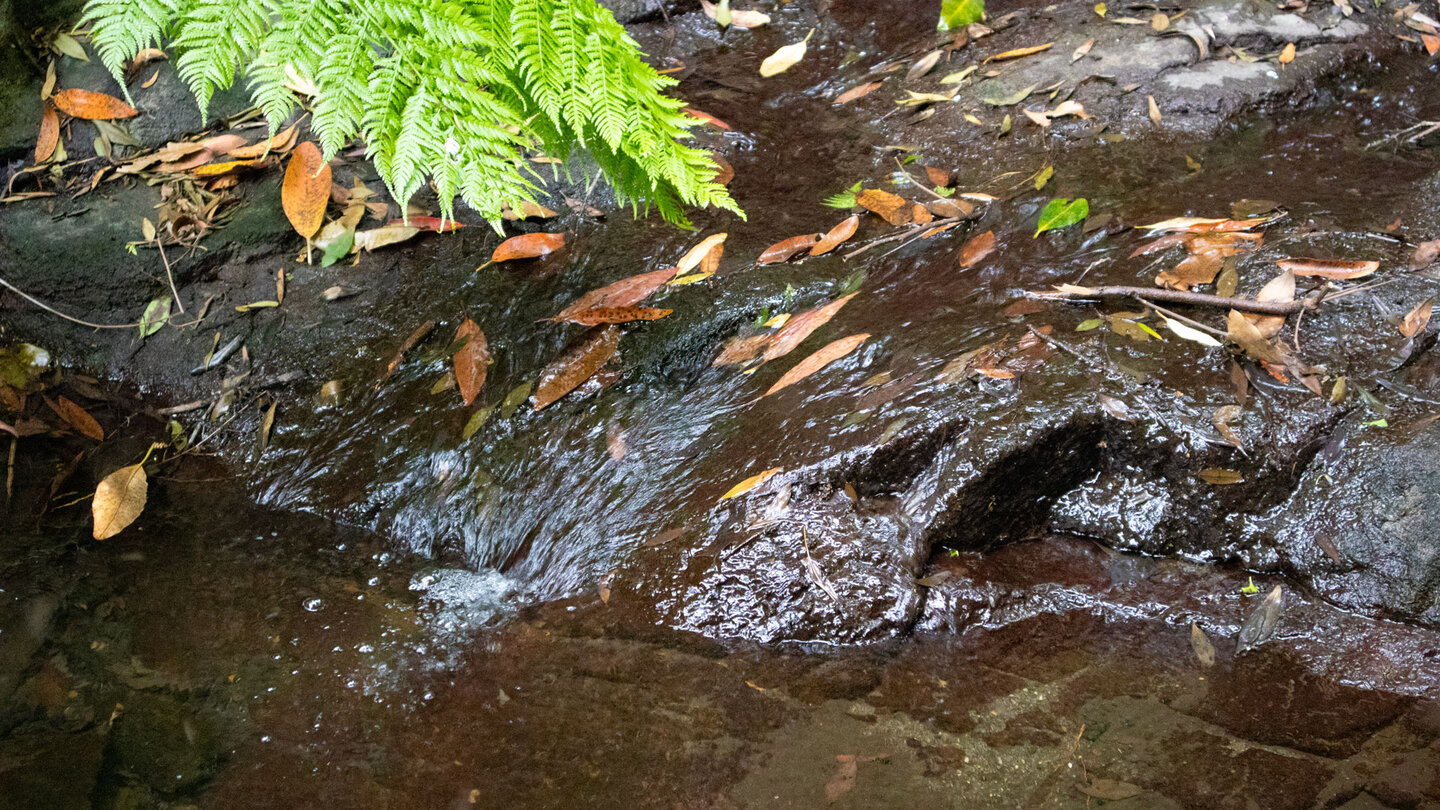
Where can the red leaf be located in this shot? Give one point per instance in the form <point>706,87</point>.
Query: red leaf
<point>820,359</point>
<point>977,249</point>
<point>706,117</point>
<point>800,326</point>
<point>788,249</point>
<point>623,293</point>
<point>1329,268</point>
<point>92,106</point>
<point>528,246</point>
<point>857,92</point>
<point>576,366</point>
<point>598,315</point>
<point>471,361</point>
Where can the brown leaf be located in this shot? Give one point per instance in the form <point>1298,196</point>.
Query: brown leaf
<point>119,499</point>
<point>598,315</point>
<point>1165,242</point>
<point>226,167</point>
<point>836,236</point>
<point>950,208</point>
<point>528,246</point>
<point>1416,319</point>
<point>843,779</point>
<point>741,350</point>
<point>1110,789</point>
<point>1227,244</point>
<point>383,236</point>
<point>1221,477</point>
<point>937,177</point>
<point>726,172</point>
<point>1019,52</point>
<point>92,106</point>
<point>1250,338</point>
<point>306,189</point>
<point>893,209</point>
<point>1204,650</point>
<point>857,93</point>
<point>1329,268</point>
<point>1425,254</point>
<point>800,326</point>
<point>704,255</point>
<point>1240,381</point>
<point>1192,271</point>
<point>787,249</point>
<point>49,136</point>
<point>77,417</point>
<point>622,293</point>
<point>977,249</point>
<point>281,142</point>
<point>1281,288</point>
<point>527,210</point>
<point>576,366</point>
<point>820,359</point>
<point>471,361</point>
<point>920,215</point>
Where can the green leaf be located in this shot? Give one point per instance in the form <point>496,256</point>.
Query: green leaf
<point>1086,326</point>
<point>339,248</point>
<point>476,421</point>
<point>960,13</point>
<point>1062,213</point>
<point>1014,98</point>
<point>157,312</point>
<point>1044,177</point>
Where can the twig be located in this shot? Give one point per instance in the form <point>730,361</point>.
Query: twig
<point>168,275</point>
<point>53,311</point>
<point>911,229</point>
<point>1181,297</point>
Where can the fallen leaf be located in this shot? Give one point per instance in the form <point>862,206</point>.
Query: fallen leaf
<point>706,117</point>
<point>432,224</point>
<point>750,483</point>
<point>1281,288</point>
<point>1192,271</point>
<point>1431,43</point>
<point>306,189</point>
<point>1014,98</point>
<point>1416,319</point>
<point>857,92</point>
<point>622,293</point>
<point>1425,254</point>
<point>924,65</point>
<point>725,172</point>
<point>1159,21</point>
<point>1019,52</point>
<point>77,417</point>
<point>1203,224</point>
<point>576,366</point>
<point>528,246</point>
<point>66,44</point>
<point>938,178</point>
<point>892,208</point>
<point>1251,339</point>
<point>1204,650</point>
<point>381,237</point>
<point>157,312</point>
<point>1062,213</point>
<point>784,57</point>
<point>787,249</point>
<point>817,361</point>
<point>1082,50</point>
<point>280,142</point>
<point>1154,110</point>
<point>739,18</point>
<point>1221,477</point>
<point>600,315</point>
<point>119,499</point>
<point>472,361</point>
<point>741,350</point>
<point>528,210</point>
<point>714,243</point>
<point>800,326</point>
<point>49,136</point>
<point>1287,55</point>
<point>92,106</point>
<point>1329,268</point>
<point>977,249</point>
<point>1109,789</point>
<point>226,167</point>
<point>1190,333</point>
<point>837,235</point>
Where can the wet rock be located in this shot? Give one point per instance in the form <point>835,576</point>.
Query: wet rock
<point>630,11</point>
<point>30,763</point>
<point>165,744</point>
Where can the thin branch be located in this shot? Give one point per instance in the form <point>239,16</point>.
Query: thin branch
<point>171,276</point>
<point>910,232</point>
<point>53,311</point>
<point>1181,297</point>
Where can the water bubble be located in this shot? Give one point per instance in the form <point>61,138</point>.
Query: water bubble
<point>314,604</point>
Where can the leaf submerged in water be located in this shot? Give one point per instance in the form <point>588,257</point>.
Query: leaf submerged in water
<point>1062,213</point>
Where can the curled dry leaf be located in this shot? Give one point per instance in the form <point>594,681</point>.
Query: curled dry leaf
<point>857,92</point>
<point>119,499</point>
<point>800,326</point>
<point>820,359</point>
<point>837,235</point>
<point>600,315</point>
<point>1416,319</point>
<point>92,106</point>
<point>472,361</point>
<point>977,249</point>
<point>1329,268</point>
<point>1019,52</point>
<point>787,249</point>
<point>750,483</point>
<point>1281,288</point>
<point>576,366</point>
<point>49,136</point>
<point>714,243</point>
<point>623,293</point>
<point>528,246</point>
<point>893,209</point>
<point>306,189</point>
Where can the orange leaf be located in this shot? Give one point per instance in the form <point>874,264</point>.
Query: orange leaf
<point>576,366</point>
<point>741,350</point>
<point>49,135</point>
<point>1432,43</point>
<point>1019,52</point>
<point>785,250</point>
<point>76,417</point>
<point>800,326</point>
<point>471,361</point>
<point>1287,55</point>
<point>856,92</point>
<point>1416,319</point>
<point>750,483</point>
<point>726,172</point>
<point>528,246</point>
<point>1329,268</point>
<point>599,315</point>
<point>894,210</point>
<point>306,189</point>
<point>706,117</point>
<point>820,359</point>
<point>92,106</point>
<point>705,255</point>
<point>623,293</point>
<point>977,249</point>
<point>217,169</point>
<point>435,224</point>
<point>837,235</point>
<point>1192,271</point>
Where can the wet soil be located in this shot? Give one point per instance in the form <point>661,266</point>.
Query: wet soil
<point>376,611</point>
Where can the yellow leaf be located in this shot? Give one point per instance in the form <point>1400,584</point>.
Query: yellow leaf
<point>119,499</point>
<point>785,57</point>
<point>1019,52</point>
<point>750,483</point>
<point>1288,55</point>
